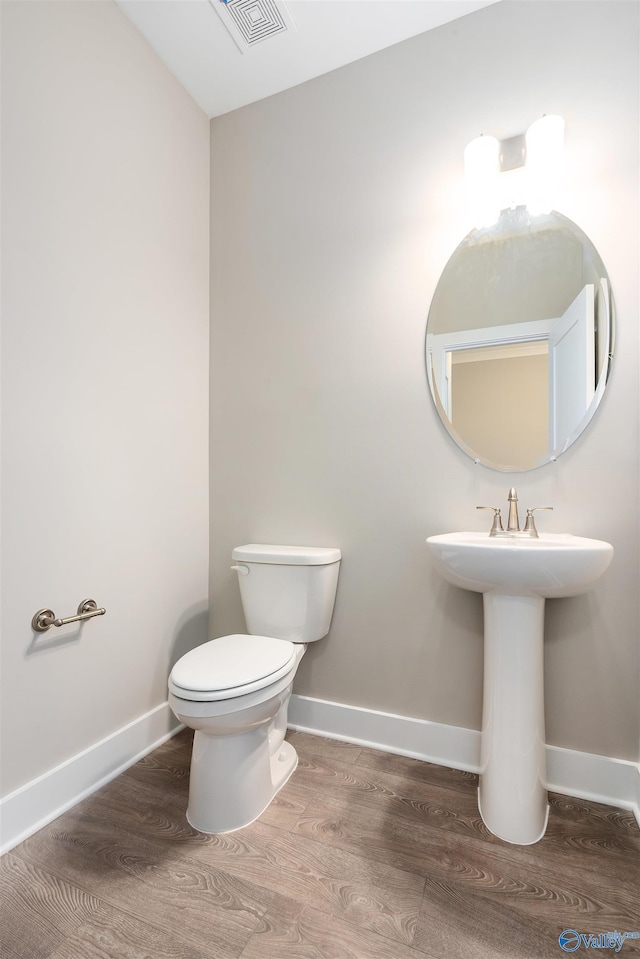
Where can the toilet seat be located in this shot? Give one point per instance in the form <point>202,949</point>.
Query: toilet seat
<point>231,666</point>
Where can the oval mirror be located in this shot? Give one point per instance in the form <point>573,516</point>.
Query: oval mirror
<point>520,339</point>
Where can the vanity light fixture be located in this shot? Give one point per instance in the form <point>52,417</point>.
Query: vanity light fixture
<point>520,171</point>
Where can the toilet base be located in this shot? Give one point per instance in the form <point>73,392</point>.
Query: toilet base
<point>234,779</point>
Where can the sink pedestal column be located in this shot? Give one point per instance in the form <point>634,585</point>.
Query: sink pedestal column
<point>512,794</point>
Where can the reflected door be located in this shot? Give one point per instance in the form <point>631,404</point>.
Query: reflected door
<point>571,367</point>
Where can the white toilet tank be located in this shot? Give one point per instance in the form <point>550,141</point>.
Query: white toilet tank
<point>287,591</point>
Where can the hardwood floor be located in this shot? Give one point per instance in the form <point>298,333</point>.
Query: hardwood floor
<point>363,855</point>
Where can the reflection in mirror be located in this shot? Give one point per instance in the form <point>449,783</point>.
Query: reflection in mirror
<point>520,339</point>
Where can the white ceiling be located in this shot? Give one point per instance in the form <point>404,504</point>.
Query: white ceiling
<point>191,39</point>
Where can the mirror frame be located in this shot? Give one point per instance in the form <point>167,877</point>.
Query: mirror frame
<point>605,366</point>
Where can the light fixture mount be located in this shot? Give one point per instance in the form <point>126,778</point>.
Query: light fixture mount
<point>513,153</point>
<point>523,170</point>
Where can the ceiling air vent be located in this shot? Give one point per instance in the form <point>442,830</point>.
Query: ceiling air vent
<point>251,21</point>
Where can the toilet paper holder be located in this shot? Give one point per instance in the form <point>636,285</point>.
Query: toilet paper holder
<point>45,618</point>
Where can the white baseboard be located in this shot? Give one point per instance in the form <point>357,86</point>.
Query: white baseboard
<point>615,782</point>
<point>437,743</point>
<point>40,801</point>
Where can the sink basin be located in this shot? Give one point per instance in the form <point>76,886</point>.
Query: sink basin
<point>552,566</point>
<point>516,575</point>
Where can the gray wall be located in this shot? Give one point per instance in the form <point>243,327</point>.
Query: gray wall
<point>105,222</point>
<point>334,208</point>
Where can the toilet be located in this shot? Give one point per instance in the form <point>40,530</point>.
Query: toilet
<point>234,691</point>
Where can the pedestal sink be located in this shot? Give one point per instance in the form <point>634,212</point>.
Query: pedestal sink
<point>516,575</point>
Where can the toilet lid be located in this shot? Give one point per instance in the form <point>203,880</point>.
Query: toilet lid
<point>231,666</point>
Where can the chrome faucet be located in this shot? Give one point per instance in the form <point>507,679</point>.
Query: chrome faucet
<point>513,521</point>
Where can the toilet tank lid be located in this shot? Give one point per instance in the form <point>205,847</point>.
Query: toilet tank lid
<point>287,555</point>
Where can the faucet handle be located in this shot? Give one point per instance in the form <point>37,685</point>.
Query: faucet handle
<point>530,526</point>
<point>497,520</point>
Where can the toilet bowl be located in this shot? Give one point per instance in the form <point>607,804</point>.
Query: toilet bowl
<point>234,691</point>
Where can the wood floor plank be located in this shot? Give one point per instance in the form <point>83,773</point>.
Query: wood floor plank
<point>287,807</point>
<point>520,921</point>
<point>168,769</point>
<point>147,812</point>
<point>455,810</point>
<point>409,842</point>
<point>329,748</point>
<point>317,935</point>
<point>404,843</point>
<point>537,889</point>
<point>457,924</point>
<point>583,871</point>
<point>114,934</point>
<point>418,770</point>
<point>362,855</point>
<point>393,764</point>
<point>377,896</point>
<point>385,797</point>
<point>158,885</point>
<point>619,822</point>
<point>445,857</point>
<point>369,894</point>
<point>37,909</point>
